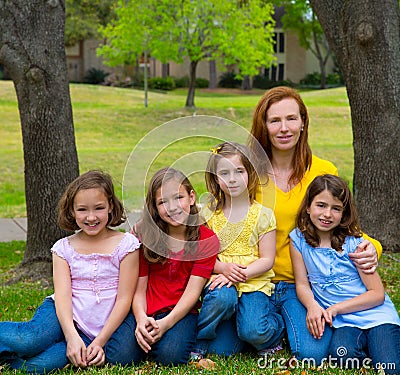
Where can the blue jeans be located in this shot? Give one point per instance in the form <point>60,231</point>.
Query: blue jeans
<point>256,324</point>
<point>175,346</point>
<point>352,347</point>
<point>39,345</point>
<point>302,344</point>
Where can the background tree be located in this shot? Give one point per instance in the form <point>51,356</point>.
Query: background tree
<point>365,37</point>
<point>172,30</point>
<point>32,50</point>
<point>301,19</point>
<point>83,18</point>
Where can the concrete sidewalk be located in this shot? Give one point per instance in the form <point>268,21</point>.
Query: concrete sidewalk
<point>15,229</point>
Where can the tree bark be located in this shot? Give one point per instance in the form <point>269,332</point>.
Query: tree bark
<point>365,36</point>
<point>32,50</point>
<point>213,74</point>
<point>192,85</point>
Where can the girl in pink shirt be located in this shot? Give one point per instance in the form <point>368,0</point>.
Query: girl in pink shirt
<point>87,321</point>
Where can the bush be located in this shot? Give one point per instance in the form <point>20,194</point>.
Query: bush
<point>95,76</point>
<point>159,83</point>
<point>229,81</point>
<point>262,82</point>
<point>181,82</point>
<point>312,79</point>
<point>202,83</point>
<point>334,79</point>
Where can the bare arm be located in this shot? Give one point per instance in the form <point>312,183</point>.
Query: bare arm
<point>128,275</point>
<point>366,255</point>
<point>316,315</point>
<point>76,349</point>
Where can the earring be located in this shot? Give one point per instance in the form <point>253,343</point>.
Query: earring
<point>302,129</point>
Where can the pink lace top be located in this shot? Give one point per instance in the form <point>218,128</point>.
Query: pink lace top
<point>94,279</point>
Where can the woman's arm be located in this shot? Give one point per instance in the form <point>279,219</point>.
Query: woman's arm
<point>316,315</point>
<point>374,296</point>
<point>266,250</point>
<point>76,349</point>
<point>185,304</point>
<point>128,275</point>
<point>366,255</point>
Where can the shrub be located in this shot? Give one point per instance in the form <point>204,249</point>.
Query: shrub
<point>263,82</point>
<point>95,76</point>
<point>159,83</point>
<point>313,79</point>
<point>228,80</point>
<point>181,82</point>
<point>202,83</point>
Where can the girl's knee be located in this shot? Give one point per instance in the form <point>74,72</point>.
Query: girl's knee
<point>222,298</point>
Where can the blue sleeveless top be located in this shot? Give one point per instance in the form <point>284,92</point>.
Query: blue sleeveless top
<point>334,278</point>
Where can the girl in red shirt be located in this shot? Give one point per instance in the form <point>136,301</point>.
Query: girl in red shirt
<point>177,257</point>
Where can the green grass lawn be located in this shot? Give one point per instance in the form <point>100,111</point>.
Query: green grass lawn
<point>110,122</point>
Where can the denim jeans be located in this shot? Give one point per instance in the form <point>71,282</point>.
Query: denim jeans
<point>302,344</point>
<point>39,345</point>
<point>256,324</point>
<point>353,347</point>
<point>175,346</point>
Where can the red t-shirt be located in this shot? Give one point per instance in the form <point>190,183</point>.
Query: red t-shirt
<point>167,281</point>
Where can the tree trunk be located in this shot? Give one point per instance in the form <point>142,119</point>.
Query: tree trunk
<point>32,50</point>
<point>365,36</point>
<point>213,75</point>
<point>246,83</point>
<point>192,85</point>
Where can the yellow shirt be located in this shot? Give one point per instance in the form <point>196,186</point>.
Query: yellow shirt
<point>239,242</point>
<point>286,206</point>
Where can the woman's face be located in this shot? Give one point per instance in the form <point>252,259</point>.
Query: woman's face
<point>284,124</point>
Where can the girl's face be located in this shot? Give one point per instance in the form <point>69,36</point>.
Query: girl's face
<point>284,124</point>
<point>173,203</point>
<point>232,176</point>
<point>325,212</point>
<point>91,209</point>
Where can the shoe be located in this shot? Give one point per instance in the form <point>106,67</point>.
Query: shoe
<point>197,360</point>
<point>270,351</point>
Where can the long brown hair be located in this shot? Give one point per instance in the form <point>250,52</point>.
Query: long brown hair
<point>259,134</point>
<point>93,179</point>
<point>153,231</point>
<point>224,150</point>
<point>349,224</point>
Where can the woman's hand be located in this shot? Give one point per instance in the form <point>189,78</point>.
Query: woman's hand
<point>143,332</point>
<point>95,355</point>
<point>76,351</point>
<point>316,319</point>
<point>365,257</point>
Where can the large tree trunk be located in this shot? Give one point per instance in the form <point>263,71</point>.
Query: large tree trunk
<point>365,36</point>
<point>32,50</point>
<point>213,74</point>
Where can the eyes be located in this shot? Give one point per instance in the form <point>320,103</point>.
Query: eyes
<point>277,120</point>
<point>226,172</point>
<point>178,197</point>
<point>324,205</point>
<point>83,209</point>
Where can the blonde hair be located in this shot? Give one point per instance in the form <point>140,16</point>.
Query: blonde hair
<point>224,150</point>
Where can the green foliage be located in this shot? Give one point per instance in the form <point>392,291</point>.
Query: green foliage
<point>314,79</point>
<point>263,82</point>
<point>229,80</point>
<point>181,82</point>
<point>95,76</point>
<point>159,83</point>
<point>83,18</point>
<point>202,83</point>
<point>174,30</point>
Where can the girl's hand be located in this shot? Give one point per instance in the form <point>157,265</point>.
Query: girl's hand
<point>234,272</point>
<point>316,318</point>
<point>163,326</point>
<point>143,332</point>
<point>95,355</point>
<point>365,257</point>
<point>332,312</point>
<point>219,281</point>
<point>76,351</point>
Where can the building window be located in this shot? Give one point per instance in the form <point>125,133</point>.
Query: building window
<point>275,72</point>
<point>279,42</point>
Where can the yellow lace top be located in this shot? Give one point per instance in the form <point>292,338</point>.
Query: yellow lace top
<point>239,242</point>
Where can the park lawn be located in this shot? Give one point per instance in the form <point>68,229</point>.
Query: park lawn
<point>110,122</point>
<point>19,301</point>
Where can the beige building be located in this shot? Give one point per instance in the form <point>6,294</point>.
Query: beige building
<point>293,62</point>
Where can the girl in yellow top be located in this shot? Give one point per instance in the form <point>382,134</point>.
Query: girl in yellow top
<point>241,283</point>
<point>280,127</point>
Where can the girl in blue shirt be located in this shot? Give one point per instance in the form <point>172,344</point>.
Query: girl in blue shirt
<point>365,323</point>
